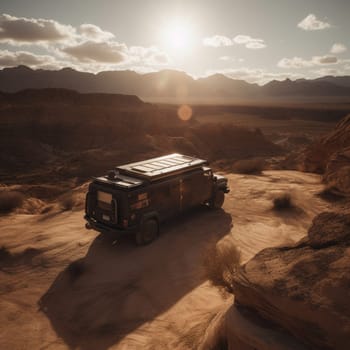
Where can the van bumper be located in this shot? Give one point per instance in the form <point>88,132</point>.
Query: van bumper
<point>92,224</point>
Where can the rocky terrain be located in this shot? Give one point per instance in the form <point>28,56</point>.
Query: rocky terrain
<point>295,296</point>
<point>330,156</point>
<point>64,287</point>
<point>299,292</point>
<point>52,135</point>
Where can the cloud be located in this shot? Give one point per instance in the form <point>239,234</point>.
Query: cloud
<point>21,30</point>
<point>147,55</point>
<point>246,40</point>
<point>255,45</point>
<point>230,58</point>
<point>105,52</point>
<point>13,59</point>
<point>338,48</point>
<point>116,53</point>
<point>298,62</point>
<point>310,22</point>
<point>325,59</point>
<point>91,31</point>
<point>85,47</point>
<point>249,42</point>
<point>326,71</point>
<point>217,41</point>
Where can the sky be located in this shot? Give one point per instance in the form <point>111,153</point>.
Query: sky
<point>253,40</point>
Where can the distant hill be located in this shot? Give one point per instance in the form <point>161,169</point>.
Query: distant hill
<point>303,87</point>
<point>168,84</point>
<point>60,96</point>
<point>341,81</point>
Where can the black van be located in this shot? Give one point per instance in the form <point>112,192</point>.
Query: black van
<point>135,198</point>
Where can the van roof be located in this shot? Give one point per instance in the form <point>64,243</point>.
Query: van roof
<point>156,168</point>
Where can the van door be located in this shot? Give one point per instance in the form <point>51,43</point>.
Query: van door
<point>166,199</point>
<point>195,189</point>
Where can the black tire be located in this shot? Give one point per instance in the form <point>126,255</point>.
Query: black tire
<point>218,200</point>
<point>147,233</point>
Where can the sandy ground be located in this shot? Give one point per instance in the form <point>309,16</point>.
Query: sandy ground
<point>125,297</point>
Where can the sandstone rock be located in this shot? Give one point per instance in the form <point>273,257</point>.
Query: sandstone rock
<point>330,156</point>
<point>304,288</point>
<point>337,173</point>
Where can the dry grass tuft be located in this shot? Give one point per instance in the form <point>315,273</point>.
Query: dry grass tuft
<point>249,166</point>
<point>283,202</point>
<point>331,194</point>
<point>10,200</point>
<point>67,202</point>
<point>221,263</point>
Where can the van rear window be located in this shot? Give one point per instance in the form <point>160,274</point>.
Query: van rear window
<point>104,197</point>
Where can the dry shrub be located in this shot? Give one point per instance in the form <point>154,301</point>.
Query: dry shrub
<point>221,262</point>
<point>47,209</point>
<point>31,206</point>
<point>249,166</point>
<point>67,202</point>
<point>331,194</point>
<point>10,200</point>
<point>283,201</point>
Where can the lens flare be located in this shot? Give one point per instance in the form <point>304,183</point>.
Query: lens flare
<point>184,112</point>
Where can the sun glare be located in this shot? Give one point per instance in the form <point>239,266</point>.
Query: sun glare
<point>178,35</point>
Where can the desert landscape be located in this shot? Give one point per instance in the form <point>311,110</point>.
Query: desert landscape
<point>66,287</point>
<point>267,271</point>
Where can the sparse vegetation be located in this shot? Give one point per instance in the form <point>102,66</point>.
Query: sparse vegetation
<point>46,209</point>
<point>283,201</point>
<point>331,193</point>
<point>249,166</point>
<point>221,263</point>
<point>67,202</point>
<point>10,200</point>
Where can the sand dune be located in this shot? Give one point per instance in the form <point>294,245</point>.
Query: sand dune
<point>64,287</point>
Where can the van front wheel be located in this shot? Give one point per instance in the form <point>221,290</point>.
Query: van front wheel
<point>218,200</point>
<point>147,233</point>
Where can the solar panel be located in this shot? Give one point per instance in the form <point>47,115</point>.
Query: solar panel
<point>161,166</point>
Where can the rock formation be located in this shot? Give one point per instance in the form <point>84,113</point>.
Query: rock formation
<point>303,289</point>
<point>330,156</point>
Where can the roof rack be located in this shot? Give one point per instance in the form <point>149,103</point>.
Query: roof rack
<point>156,168</point>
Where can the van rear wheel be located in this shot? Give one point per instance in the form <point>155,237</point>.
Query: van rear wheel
<point>147,233</point>
<point>218,200</point>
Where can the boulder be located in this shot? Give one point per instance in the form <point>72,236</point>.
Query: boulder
<point>303,289</point>
<point>337,173</point>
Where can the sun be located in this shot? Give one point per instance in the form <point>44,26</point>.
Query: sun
<point>178,34</point>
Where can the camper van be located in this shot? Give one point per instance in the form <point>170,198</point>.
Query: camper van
<point>137,198</point>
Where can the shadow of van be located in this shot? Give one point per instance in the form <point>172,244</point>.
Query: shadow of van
<point>114,289</point>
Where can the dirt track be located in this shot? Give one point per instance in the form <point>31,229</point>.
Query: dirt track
<point>123,297</point>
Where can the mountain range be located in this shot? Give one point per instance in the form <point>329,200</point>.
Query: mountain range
<point>170,84</point>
